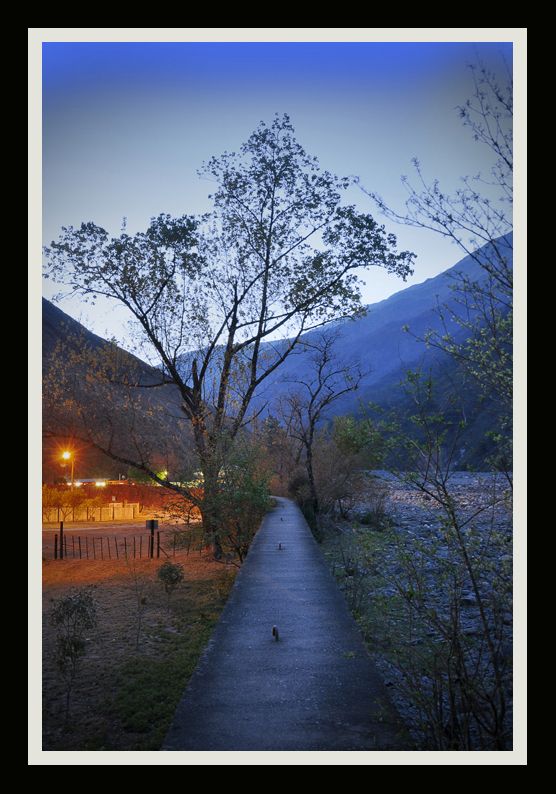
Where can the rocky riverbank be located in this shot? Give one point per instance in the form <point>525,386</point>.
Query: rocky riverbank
<point>427,572</point>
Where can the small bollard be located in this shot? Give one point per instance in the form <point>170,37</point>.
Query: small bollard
<point>275,633</point>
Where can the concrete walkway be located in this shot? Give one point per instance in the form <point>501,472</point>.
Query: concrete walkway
<point>313,689</point>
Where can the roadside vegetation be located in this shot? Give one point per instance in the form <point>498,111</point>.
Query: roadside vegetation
<point>134,664</point>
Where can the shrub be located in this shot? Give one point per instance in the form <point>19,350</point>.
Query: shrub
<point>375,516</point>
<point>72,615</point>
<point>171,575</point>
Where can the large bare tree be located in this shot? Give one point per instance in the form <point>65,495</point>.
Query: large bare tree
<point>306,406</point>
<point>279,255</point>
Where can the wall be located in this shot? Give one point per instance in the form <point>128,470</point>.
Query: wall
<point>116,511</point>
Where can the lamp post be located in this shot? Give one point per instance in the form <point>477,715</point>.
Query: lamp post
<point>69,456</point>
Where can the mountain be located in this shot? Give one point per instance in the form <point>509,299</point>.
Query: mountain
<point>382,348</point>
<point>153,414</point>
<point>58,328</point>
<point>377,342</point>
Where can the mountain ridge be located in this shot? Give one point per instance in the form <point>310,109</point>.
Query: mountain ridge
<point>377,341</point>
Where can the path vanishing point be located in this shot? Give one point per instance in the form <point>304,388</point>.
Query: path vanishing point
<point>313,688</point>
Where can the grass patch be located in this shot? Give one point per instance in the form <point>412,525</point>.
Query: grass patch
<point>148,693</point>
<point>125,698</point>
<point>356,558</point>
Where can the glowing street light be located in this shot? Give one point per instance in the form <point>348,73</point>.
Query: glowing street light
<point>67,455</point>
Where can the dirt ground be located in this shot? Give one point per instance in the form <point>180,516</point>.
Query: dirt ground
<point>125,696</point>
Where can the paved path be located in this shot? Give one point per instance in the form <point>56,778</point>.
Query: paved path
<point>313,689</point>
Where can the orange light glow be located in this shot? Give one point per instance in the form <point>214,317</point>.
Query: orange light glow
<point>100,483</point>
<point>66,455</point>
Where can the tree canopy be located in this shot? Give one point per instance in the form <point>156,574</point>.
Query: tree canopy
<point>223,299</point>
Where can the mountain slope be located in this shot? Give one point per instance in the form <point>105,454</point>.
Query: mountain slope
<point>112,414</point>
<point>382,348</point>
<point>58,328</point>
<point>379,341</point>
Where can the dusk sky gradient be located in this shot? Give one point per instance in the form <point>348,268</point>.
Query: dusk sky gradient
<point>127,125</point>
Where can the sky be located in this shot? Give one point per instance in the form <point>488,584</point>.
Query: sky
<point>126,126</point>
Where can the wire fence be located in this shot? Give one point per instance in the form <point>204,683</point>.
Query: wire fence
<point>67,544</point>
<point>109,547</point>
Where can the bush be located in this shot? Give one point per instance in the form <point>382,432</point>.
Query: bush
<point>72,615</point>
<point>375,517</point>
<point>171,575</point>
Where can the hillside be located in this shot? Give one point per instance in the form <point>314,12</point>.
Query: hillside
<point>382,348</point>
<point>377,342</point>
<point>118,415</point>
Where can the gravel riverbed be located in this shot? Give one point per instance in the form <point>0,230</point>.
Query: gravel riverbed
<point>415,550</point>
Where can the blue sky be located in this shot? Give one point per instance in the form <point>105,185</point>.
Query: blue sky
<point>126,125</point>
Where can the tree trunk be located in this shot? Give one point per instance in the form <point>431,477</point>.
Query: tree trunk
<point>311,477</point>
<point>211,533</point>
<point>210,513</point>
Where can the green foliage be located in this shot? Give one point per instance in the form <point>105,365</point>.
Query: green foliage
<point>359,437</point>
<point>66,500</point>
<point>231,510</point>
<point>243,497</point>
<point>74,613</point>
<point>139,476</point>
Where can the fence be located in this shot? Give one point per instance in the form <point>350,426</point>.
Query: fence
<point>111,547</point>
<point>112,512</point>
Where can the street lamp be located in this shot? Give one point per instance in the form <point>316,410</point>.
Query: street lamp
<point>69,456</point>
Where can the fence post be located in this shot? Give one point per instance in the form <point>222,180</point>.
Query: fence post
<point>152,524</point>
<point>116,545</point>
<point>55,547</point>
<point>94,549</point>
<point>125,546</point>
<point>61,540</point>
<point>79,544</point>
<point>73,546</point>
<point>140,546</point>
<point>134,547</point>
<point>87,546</point>
<point>157,545</point>
<point>174,551</point>
<point>108,543</point>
